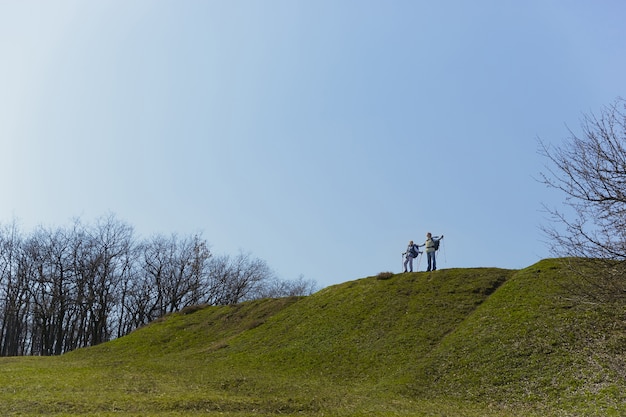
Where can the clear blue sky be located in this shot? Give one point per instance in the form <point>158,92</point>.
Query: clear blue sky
<point>320,136</point>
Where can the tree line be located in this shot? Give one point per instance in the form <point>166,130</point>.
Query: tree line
<point>77,286</point>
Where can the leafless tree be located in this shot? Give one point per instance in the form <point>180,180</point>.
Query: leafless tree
<point>590,170</point>
<point>277,288</point>
<point>49,253</point>
<point>232,280</point>
<point>109,259</point>
<point>173,276</point>
<point>14,295</point>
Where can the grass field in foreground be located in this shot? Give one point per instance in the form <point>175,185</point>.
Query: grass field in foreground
<point>458,342</point>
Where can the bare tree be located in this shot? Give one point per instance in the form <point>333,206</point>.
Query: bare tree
<point>49,253</point>
<point>108,258</point>
<point>590,170</point>
<point>14,294</point>
<point>232,280</point>
<point>174,276</point>
<point>187,274</point>
<point>276,288</point>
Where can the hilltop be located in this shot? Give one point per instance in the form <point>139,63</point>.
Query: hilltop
<point>455,342</point>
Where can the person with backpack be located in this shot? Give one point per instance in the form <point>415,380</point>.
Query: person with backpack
<point>411,253</point>
<point>432,244</point>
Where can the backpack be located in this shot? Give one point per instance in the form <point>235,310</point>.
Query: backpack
<point>436,242</point>
<point>413,252</point>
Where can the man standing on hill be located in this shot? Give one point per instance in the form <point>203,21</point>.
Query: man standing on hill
<point>411,252</point>
<point>432,244</point>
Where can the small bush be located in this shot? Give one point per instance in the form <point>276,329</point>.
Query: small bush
<point>384,275</point>
<point>192,309</point>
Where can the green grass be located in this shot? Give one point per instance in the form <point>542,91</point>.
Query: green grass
<point>457,342</point>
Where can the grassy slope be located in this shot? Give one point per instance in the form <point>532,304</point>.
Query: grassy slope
<point>470,342</point>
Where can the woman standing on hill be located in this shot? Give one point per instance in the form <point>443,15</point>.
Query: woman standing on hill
<point>432,244</point>
<point>411,252</point>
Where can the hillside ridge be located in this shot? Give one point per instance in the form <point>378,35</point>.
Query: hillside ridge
<point>469,334</point>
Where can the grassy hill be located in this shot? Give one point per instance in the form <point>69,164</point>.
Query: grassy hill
<point>456,342</point>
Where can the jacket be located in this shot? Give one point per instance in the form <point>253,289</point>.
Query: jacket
<point>430,243</point>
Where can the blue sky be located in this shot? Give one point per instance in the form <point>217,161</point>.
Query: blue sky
<point>320,136</point>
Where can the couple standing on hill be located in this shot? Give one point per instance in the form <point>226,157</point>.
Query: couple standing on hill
<point>432,244</point>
